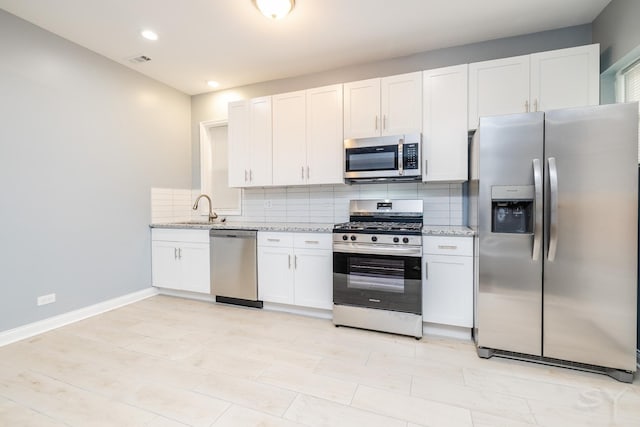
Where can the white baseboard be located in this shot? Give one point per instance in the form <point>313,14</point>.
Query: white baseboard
<point>456,332</point>
<point>41,326</point>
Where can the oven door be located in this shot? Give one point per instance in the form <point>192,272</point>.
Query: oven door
<point>389,282</point>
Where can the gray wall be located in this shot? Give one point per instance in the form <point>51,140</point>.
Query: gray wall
<point>213,106</point>
<point>618,31</point>
<point>82,141</point>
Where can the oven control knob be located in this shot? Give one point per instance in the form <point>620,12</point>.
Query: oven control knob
<point>353,237</point>
<point>405,240</point>
<point>374,239</point>
<point>345,237</point>
<point>396,240</point>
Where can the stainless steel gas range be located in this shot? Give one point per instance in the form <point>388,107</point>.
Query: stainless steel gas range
<point>377,262</point>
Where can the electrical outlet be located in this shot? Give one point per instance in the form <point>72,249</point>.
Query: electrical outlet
<point>46,299</point>
<point>267,204</point>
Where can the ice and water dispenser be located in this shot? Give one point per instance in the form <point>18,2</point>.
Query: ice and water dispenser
<point>512,209</point>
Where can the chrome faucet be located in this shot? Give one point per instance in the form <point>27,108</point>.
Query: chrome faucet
<point>212,214</point>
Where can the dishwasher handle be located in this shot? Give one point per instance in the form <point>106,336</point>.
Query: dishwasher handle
<point>233,234</point>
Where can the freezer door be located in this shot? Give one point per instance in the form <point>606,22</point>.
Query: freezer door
<point>509,298</point>
<point>590,267</point>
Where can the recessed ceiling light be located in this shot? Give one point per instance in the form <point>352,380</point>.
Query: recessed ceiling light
<point>149,35</point>
<point>213,83</point>
<point>275,9</point>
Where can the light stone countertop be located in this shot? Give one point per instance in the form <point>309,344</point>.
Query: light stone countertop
<point>427,230</point>
<point>447,230</point>
<point>259,226</point>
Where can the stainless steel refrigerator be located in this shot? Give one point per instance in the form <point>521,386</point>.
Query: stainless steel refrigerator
<point>554,201</point>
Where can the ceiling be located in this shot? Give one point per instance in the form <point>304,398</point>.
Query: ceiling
<point>231,42</point>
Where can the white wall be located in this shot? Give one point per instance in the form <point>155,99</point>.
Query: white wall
<point>82,141</point>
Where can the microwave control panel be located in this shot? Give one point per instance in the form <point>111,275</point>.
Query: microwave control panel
<point>410,156</point>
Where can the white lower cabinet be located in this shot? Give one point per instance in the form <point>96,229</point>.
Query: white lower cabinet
<point>295,269</point>
<point>447,281</point>
<point>180,259</point>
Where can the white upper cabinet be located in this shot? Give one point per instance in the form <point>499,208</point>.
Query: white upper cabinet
<point>307,137</point>
<point>289,138</point>
<point>325,156</point>
<point>445,138</point>
<point>565,78</point>
<point>250,143</point>
<point>362,109</point>
<point>387,106</point>
<point>542,81</point>
<point>260,141</point>
<point>401,104</point>
<point>498,87</point>
<point>238,152</point>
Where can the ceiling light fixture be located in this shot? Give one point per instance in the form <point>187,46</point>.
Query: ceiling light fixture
<point>275,9</point>
<point>149,35</point>
<point>213,83</point>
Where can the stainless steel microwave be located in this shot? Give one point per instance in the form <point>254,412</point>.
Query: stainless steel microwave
<point>383,158</point>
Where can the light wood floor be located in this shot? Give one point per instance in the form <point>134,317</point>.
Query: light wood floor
<point>171,362</point>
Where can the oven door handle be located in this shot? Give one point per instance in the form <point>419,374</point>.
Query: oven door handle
<point>355,248</point>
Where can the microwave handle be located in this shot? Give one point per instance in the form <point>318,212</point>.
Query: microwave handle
<point>400,157</point>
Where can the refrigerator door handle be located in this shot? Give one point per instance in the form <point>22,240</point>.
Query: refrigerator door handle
<point>537,230</point>
<point>553,212</point>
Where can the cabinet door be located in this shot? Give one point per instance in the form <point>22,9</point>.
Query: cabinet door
<point>401,104</point>
<point>165,270</point>
<point>275,274</point>
<point>238,122</point>
<point>498,87</point>
<point>444,149</point>
<point>314,278</point>
<point>362,109</point>
<point>194,266</point>
<point>447,290</point>
<point>260,139</point>
<point>325,161</point>
<point>565,78</point>
<point>289,138</point>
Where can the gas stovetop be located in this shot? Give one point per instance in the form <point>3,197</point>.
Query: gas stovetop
<point>374,227</point>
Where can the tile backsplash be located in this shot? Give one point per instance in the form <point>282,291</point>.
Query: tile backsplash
<point>319,204</point>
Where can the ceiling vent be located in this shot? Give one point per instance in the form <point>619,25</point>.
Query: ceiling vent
<point>139,59</point>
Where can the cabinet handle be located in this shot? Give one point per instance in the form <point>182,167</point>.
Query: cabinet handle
<point>425,167</point>
<point>250,175</point>
<point>295,262</point>
<point>447,247</point>
<point>384,122</point>
<point>535,105</point>
<point>312,241</point>
<point>376,122</point>
<point>426,270</point>
<point>302,172</point>
<point>526,106</point>
<point>307,172</point>
<point>179,253</point>
<point>273,240</point>
<point>175,253</point>
<point>289,257</point>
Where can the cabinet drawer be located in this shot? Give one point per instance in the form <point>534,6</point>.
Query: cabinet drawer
<point>447,245</point>
<point>312,240</point>
<point>179,235</point>
<point>277,239</point>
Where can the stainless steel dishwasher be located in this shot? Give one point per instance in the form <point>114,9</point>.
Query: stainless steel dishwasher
<point>234,278</point>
